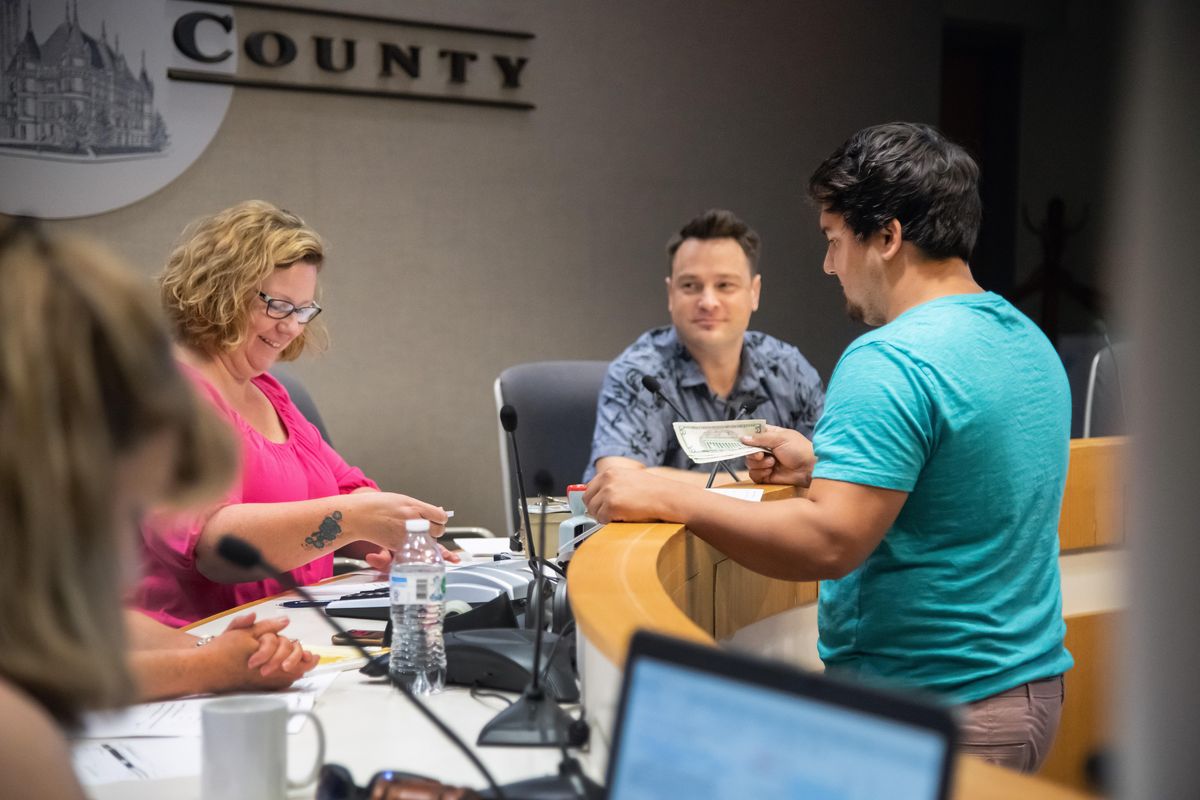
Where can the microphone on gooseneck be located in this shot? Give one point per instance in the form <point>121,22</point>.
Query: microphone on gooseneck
<point>535,719</point>
<point>241,553</point>
<point>749,406</point>
<point>1112,354</point>
<point>508,421</point>
<point>543,484</point>
<point>655,388</point>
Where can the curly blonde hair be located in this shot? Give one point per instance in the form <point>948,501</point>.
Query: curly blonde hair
<point>86,377</point>
<point>210,285</point>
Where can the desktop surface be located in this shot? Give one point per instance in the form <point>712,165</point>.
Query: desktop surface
<point>369,726</point>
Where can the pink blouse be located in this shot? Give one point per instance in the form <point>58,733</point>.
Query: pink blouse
<point>304,467</point>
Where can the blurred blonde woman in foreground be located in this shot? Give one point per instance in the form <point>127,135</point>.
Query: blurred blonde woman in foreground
<point>96,425</point>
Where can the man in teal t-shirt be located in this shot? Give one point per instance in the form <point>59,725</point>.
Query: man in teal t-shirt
<point>935,476</point>
<point>961,403</point>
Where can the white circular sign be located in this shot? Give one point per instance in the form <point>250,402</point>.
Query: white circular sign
<point>89,120</point>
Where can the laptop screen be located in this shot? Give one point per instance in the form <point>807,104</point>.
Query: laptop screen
<point>691,732</point>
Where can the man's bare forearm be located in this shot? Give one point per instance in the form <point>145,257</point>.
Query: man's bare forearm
<point>822,536</point>
<point>780,539</point>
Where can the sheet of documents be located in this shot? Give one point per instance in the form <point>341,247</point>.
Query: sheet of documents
<point>753,495</point>
<point>484,547</point>
<point>182,717</point>
<point>334,590</point>
<point>99,762</point>
<point>338,658</point>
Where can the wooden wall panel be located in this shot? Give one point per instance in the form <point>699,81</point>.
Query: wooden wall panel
<point>742,597</point>
<point>1093,511</point>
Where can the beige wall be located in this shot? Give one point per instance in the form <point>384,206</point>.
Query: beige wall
<point>465,240</point>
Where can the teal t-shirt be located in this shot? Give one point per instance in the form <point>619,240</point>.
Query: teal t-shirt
<point>963,403</point>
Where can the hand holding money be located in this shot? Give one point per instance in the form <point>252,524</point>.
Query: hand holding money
<point>789,459</point>
<point>708,442</point>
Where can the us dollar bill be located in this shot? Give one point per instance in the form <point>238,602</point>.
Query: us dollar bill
<point>707,442</point>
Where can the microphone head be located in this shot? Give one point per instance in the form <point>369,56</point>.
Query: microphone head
<point>508,418</point>
<point>239,552</point>
<point>651,383</point>
<point>543,482</point>
<point>751,405</point>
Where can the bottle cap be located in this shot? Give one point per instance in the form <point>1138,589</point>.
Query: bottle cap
<point>577,487</point>
<point>416,525</point>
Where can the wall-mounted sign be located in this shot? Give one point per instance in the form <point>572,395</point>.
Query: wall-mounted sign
<point>89,121</point>
<point>103,105</point>
<point>333,51</point>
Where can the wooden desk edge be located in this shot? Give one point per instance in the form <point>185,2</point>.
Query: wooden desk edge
<point>229,612</point>
<point>615,586</point>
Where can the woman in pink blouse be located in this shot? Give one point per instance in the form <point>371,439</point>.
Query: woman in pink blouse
<point>241,292</point>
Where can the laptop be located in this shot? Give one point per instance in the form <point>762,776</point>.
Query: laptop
<point>701,722</point>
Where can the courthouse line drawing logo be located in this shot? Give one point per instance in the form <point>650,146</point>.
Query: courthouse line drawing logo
<point>73,94</point>
<point>89,120</point>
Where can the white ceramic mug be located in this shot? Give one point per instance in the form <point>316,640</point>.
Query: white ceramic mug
<point>245,749</point>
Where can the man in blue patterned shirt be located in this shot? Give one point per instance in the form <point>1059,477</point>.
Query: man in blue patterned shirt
<point>706,361</point>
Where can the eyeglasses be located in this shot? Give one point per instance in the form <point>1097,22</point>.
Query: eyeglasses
<point>282,309</point>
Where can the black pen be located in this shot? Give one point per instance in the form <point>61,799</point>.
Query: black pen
<point>128,764</point>
<point>304,603</point>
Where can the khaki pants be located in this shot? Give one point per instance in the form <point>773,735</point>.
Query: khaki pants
<point>1014,728</point>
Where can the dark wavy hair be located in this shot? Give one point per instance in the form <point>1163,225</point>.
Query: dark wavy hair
<point>907,172</point>
<point>717,223</point>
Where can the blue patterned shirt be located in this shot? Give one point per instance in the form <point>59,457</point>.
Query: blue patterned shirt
<point>632,423</point>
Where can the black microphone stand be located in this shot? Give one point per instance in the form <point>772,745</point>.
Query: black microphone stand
<point>535,719</point>
<point>655,388</point>
<point>240,552</point>
<point>508,421</point>
<point>748,407</point>
<point>473,650</point>
<point>536,716</point>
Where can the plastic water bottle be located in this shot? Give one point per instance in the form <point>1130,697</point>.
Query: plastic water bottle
<point>418,594</point>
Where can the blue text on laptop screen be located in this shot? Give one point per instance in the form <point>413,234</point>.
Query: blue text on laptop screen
<point>691,734</point>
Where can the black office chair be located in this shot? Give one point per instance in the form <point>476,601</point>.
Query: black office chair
<point>555,403</point>
<point>302,399</point>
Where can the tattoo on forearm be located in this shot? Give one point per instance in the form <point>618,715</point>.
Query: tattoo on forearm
<point>328,531</point>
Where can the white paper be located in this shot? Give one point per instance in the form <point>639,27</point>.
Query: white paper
<point>100,762</point>
<point>753,495</point>
<point>182,717</point>
<point>484,546</point>
<point>332,591</point>
<point>554,505</point>
<point>335,659</point>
